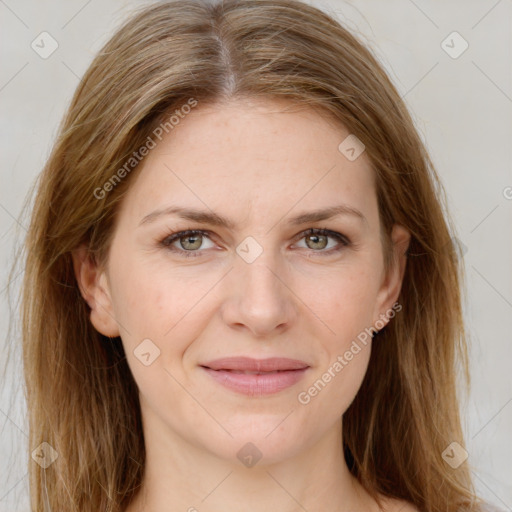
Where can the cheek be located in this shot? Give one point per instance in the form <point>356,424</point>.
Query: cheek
<point>345,301</point>
<point>345,305</point>
<point>167,307</point>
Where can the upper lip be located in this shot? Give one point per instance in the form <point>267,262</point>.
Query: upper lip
<point>256,365</point>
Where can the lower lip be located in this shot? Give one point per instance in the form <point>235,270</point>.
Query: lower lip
<point>256,385</point>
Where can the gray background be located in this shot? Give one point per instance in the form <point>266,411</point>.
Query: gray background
<point>462,107</point>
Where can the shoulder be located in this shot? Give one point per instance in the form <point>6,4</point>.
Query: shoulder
<point>488,507</point>
<point>396,505</point>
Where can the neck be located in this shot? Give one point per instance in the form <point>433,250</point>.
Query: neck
<point>183,476</point>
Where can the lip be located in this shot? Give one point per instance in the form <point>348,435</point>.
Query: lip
<point>267,376</point>
<point>250,364</point>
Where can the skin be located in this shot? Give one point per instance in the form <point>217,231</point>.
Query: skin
<point>258,164</point>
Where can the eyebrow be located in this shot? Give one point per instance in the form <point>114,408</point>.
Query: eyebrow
<point>205,217</point>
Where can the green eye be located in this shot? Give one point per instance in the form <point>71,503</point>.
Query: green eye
<point>192,240</point>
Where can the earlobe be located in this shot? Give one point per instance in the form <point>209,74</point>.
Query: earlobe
<point>390,290</point>
<point>401,238</point>
<point>94,288</point>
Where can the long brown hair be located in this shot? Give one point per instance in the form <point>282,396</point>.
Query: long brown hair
<point>81,397</point>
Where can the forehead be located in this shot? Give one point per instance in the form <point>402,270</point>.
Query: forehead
<point>263,154</point>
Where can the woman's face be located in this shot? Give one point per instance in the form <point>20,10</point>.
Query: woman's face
<point>252,284</point>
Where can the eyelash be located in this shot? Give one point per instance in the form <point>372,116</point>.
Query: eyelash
<point>169,239</point>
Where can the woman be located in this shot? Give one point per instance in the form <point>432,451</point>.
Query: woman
<point>239,271</point>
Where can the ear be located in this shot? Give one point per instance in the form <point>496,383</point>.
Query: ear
<point>94,287</point>
<point>392,282</point>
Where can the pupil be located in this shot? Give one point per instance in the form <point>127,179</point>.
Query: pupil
<point>189,238</point>
<point>315,238</point>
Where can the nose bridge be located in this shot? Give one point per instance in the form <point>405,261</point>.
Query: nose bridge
<point>257,269</point>
<point>257,295</point>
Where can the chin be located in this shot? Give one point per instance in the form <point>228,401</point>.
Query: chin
<point>259,442</point>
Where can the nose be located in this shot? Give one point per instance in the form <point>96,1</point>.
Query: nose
<point>258,297</point>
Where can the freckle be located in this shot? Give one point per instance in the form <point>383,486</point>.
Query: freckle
<point>158,301</point>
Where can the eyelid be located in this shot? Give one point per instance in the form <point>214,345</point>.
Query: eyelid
<point>169,239</point>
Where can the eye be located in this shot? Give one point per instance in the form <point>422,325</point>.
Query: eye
<point>190,241</point>
<point>318,239</point>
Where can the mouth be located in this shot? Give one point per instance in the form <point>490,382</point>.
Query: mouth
<point>249,364</point>
<point>245,372</point>
<point>256,377</point>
